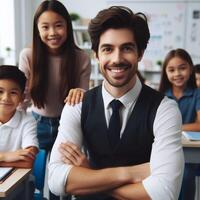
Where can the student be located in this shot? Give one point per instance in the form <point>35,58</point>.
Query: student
<point>151,124</point>
<point>53,66</point>
<point>18,139</point>
<point>197,74</point>
<point>178,83</point>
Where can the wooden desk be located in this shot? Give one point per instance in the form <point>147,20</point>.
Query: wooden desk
<point>191,150</point>
<point>15,184</point>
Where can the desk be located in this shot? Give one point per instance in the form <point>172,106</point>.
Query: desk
<point>191,150</point>
<point>15,184</point>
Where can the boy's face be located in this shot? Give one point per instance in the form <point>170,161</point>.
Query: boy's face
<point>10,97</point>
<point>197,75</point>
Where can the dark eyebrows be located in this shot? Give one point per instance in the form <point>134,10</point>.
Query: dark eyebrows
<point>129,44</point>
<point>123,45</point>
<point>105,45</point>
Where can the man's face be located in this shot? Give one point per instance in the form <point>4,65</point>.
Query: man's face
<point>118,58</point>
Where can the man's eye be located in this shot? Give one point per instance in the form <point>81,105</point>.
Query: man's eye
<point>107,49</point>
<point>129,48</point>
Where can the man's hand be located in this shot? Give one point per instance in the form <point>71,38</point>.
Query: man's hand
<point>71,154</point>
<point>75,96</point>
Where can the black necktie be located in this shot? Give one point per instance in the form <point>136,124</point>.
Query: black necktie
<point>114,124</point>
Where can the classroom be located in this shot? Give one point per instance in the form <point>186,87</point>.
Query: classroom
<point>173,45</point>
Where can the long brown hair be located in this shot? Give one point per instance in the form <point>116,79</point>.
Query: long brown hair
<point>39,70</point>
<point>183,54</point>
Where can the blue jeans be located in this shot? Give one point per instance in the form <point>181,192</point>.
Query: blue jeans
<point>47,129</point>
<point>188,184</point>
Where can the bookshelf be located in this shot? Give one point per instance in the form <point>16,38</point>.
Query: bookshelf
<point>82,39</point>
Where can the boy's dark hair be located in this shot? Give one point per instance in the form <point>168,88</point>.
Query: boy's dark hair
<point>117,17</point>
<point>197,68</point>
<point>13,73</point>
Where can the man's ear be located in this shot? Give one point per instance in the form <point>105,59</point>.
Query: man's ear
<point>96,55</point>
<point>141,56</point>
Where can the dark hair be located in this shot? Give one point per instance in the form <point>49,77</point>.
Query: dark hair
<point>120,17</point>
<point>183,54</point>
<point>39,70</point>
<point>197,68</point>
<point>13,73</point>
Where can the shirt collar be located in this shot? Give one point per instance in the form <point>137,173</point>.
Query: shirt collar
<point>126,99</point>
<point>14,121</point>
<point>187,92</point>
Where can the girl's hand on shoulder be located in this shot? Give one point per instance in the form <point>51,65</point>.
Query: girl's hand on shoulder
<point>75,96</point>
<point>72,155</point>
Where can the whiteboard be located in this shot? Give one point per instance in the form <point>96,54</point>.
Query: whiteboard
<point>193,31</point>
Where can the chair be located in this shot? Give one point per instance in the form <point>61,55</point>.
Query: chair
<point>39,169</point>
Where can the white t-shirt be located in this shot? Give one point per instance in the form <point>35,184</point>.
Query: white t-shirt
<point>166,162</point>
<point>19,132</point>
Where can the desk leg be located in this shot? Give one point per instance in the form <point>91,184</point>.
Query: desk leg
<point>29,187</point>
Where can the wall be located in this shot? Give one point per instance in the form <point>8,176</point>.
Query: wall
<point>24,12</point>
<point>7,39</point>
<point>172,25</point>
<point>175,36</point>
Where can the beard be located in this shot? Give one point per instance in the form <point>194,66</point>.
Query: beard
<point>121,80</point>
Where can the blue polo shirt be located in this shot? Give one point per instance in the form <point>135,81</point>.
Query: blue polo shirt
<point>188,104</point>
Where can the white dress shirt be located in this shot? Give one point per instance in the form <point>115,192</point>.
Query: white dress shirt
<point>19,132</point>
<point>166,162</point>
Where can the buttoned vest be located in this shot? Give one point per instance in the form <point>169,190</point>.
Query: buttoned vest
<point>135,144</point>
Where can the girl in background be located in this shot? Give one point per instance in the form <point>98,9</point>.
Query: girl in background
<point>53,66</point>
<point>178,83</point>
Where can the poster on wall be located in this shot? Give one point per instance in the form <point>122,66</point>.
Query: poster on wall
<point>193,31</point>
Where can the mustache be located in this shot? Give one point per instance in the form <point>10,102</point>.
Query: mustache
<point>121,65</point>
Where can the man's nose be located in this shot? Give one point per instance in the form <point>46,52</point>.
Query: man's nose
<point>117,57</point>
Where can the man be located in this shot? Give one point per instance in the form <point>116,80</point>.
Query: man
<point>150,124</point>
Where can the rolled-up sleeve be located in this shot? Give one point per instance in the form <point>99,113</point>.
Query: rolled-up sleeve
<point>69,130</point>
<point>167,160</point>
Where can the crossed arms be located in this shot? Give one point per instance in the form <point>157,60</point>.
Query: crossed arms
<point>159,180</point>
<point>114,181</point>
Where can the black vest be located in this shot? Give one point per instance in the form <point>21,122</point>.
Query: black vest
<point>136,141</point>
